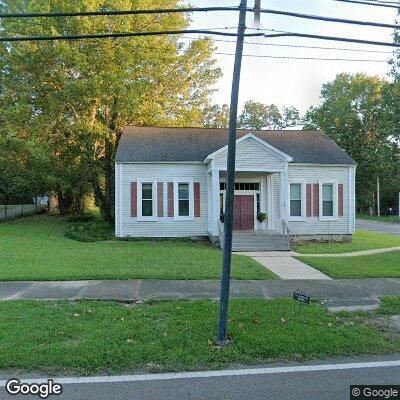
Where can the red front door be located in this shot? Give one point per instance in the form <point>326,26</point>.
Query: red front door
<point>243,212</point>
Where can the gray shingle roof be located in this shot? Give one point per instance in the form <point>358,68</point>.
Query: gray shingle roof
<point>195,144</point>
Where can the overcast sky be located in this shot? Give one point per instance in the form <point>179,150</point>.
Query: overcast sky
<point>297,82</point>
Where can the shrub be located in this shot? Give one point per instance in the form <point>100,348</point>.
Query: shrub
<point>81,218</point>
<point>93,231</point>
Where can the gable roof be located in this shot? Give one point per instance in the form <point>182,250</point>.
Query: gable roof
<point>154,144</point>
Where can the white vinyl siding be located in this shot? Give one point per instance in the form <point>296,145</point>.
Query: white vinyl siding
<point>251,156</point>
<point>165,226</point>
<point>313,175</point>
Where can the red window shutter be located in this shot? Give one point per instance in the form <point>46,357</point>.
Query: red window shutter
<point>134,199</point>
<point>160,199</point>
<point>308,199</point>
<point>196,189</point>
<point>340,199</point>
<point>170,199</point>
<point>316,200</point>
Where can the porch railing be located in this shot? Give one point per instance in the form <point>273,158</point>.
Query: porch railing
<point>286,230</point>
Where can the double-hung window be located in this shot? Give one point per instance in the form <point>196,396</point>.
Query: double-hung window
<point>297,200</point>
<point>183,199</point>
<point>147,200</point>
<point>328,206</point>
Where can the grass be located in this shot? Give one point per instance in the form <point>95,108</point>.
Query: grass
<point>383,218</point>
<point>390,305</point>
<point>96,337</point>
<point>362,240</point>
<point>34,248</point>
<point>385,265</point>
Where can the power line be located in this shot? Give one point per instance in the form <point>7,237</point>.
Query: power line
<point>376,4</point>
<point>115,12</point>
<point>198,31</point>
<point>195,9</point>
<point>304,58</point>
<point>299,46</point>
<point>332,38</point>
<point>383,1</point>
<point>118,35</point>
<point>329,19</point>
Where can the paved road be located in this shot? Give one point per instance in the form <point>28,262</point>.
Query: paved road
<point>377,226</point>
<point>323,381</point>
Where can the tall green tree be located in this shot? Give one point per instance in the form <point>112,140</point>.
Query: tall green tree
<point>258,116</point>
<point>216,116</point>
<point>351,113</point>
<point>80,94</point>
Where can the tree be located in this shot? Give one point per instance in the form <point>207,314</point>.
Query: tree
<point>216,116</point>
<point>23,171</point>
<point>258,116</point>
<point>80,94</point>
<point>351,113</point>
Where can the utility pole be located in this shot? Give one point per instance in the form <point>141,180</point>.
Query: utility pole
<point>378,197</point>
<point>222,337</point>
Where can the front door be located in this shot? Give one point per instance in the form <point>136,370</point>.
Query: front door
<point>243,212</point>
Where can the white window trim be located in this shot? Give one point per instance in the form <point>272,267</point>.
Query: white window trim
<point>139,200</point>
<point>189,217</point>
<point>335,200</point>
<point>302,182</point>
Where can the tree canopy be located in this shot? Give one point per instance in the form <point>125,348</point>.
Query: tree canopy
<point>258,116</point>
<point>76,96</point>
<point>354,114</point>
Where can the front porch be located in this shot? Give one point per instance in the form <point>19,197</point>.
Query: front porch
<point>261,190</point>
<point>257,195</point>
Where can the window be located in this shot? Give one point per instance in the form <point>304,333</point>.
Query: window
<point>297,200</point>
<point>147,200</point>
<point>327,200</point>
<point>221,204</point>
<point>242,186</point>
<point>258,202</point>
<point>183,200</point>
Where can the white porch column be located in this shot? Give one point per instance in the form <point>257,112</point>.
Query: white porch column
<point>214,209</point>
<point>283,198</point>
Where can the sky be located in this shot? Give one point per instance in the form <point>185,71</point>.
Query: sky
<point>296,83</point>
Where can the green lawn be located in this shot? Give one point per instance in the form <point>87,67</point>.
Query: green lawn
<point>362,240</point>
<point>34,248</point>
<point>382,218</point>
<point>97,337</point>
<point>385,265</point>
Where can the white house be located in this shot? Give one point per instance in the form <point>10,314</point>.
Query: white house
<point>170,182</point>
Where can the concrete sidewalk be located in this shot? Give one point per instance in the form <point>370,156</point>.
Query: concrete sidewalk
<point>362,290</point>
<point>288,267</point>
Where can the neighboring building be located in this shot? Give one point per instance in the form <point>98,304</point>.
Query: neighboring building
<point>170,182</point>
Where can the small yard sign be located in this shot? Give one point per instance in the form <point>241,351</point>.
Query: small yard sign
<point>302,297</point>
